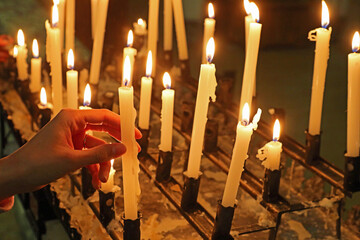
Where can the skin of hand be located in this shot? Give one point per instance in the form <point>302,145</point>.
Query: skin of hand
<point>58,149</point>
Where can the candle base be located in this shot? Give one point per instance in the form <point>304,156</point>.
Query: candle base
<point>108,100</point>
<point>45,116</point>
<point>168,59</point>
<point>87,188</point>
<point>144,141</point>
<point>223,222</point>
<point>352,174</point>
<point>190,194</point>
<point>211,135</point>
<point>312,148</point>
<point>163,169</point>
<point>271,185</point>
<point>185,70</point>
<point>107,213</point>
<point>132,228</point>
<point>187,118</point>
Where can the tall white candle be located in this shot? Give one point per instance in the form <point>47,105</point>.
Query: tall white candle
<point>61,22</point>
<point>140,27</point>
<point>97,50</point>
<point>70,25</point>
<point>145,95</point>
<point>241,148</point>
<point>21,57</point>
<point>209,29</point>
<point>206,90</point>
<point>180,29</point>
<point>72,82</point>
<point>35,83</point>
<point>130,52</point>
<point>252,51</point>
<point>94,5</point>
<point>153,31</point>
<point>48,41</point>
<point>322,50</point>
<point>353,111</point>
<point>168,25</point>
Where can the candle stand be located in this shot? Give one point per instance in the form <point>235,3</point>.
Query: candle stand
<point>271,185</point>
<point>106,202</point>
<point>44,115</point>
<point>190,194</point>
<point>144,141</point>
<point>163,168</point>
<point>223,222</point>
<point>312,148</point>
<point>211,135</point>
<point>132,229</point>
<point>352,174</point>
<point>87,188</point>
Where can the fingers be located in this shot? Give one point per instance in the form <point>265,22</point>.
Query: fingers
<point>94,171</point>
<point>92,141</point>
<point>112,130</point>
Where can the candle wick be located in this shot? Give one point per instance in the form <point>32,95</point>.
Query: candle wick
<point>244,122</point>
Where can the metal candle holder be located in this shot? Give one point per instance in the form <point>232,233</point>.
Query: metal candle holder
<point>132,228</point>
<point>271,185</point>
<point>190,194</point>
<point>223,222</point>
<point>312,148</point>
<point>144,141</point>
<point>87,188</point>
<point>44,114</point>
<point>352,174</point>
<point>163,169</point>
<point>107,213</point>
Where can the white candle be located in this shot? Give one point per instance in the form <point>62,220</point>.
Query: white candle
<point>168,25</point>
<point>252,51</point>
<point>70,25</point>
<point>140,27</point>
<point>167,113</point>
<point>353,111</point>
<point>130,165</point>
<point>180,29</point>
<point>109,185</point>
<point>209,29</point>
<point>145,95</point>
<point>130,52</point>
<point>270,154</point>
<point>48,41</point>
<point>241,148</point>
<point>72,82</point>
<point>35,83</point>
<point>61,22</point>
<point>95,66</point>
<point>21,57</point>
<point>153,31</point>
<point>322,50</point>
<point>206,90</point>
<point>94,4</point>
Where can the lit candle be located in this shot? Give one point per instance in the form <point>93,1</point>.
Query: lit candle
<point>35,83</point>
<point>168,25</point>
<point>180,29</point>
<point>140,27</point>
<point>145,95</point>
<point>130,52</point>
<point>72,82</point>
<point>322,50</point>
<point>153,31</point>
<point>61,22</point>
<point>206,90</point>
<point>70,25</point>
<point>21,57</point>
<point>270,154</point>
<point>243,136</point>
<point>353,111</point>
<point>101,14</point>
<point>87,98</point>
<point>130,165</point>
<point>48,41</point>
<point>44,108</point>
<point>109,185</point>
<point>94,4</point>
<point>209,29</point>
<point>252,51</point>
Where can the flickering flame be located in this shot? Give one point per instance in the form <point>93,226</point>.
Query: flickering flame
<point>210,50</point>
<point>21,38</point>
<point>55,15</point>
<point>127,71</point>
<point>43,98</point>
<point>15,52</point>
<point>112,163</point>
<point>87,95</point>
<point>276,131</point>
<point>149,64</point>
<point>167,80</point>
<point>70,59</point>
<point>130,39</point>
<point>356,42</point>
<point>325,16</point>
<point>140,21</point>
<point>254,11</point>
<point>35,48</point>
<point>211,11</point>
<point>56,2</point>
<point>247,7</point>
<point>245,114</point>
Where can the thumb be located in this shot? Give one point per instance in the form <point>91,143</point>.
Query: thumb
<point>101,153</point>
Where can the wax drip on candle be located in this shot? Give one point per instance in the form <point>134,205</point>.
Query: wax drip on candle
<point>254,12</point>
<point>130,39</point>
<point>149,65</point>
<point>356,42</point>
<point>35,49</point>
<point>70,59</point>
<point>210,50</point>
<point>211,11</point>
<point>247,7</point>
<point>127,71</point>
<point>87,96</point>
<point>55,16</point>
<point>167,80</point>
<point>325,18</point>
<point>43,97</point>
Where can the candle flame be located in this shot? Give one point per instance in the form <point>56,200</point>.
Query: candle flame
<point>56,2</point>
<point>276,131</point>
<point>21,38</point>
<point>247,7</point>
<point>325,16</point>
<point>167,80</point>
<point>126,71</point>
<point>140,21</point>
<point>35,48</point>
<point>149,64</point>
<point>55,15</point>
<point>356,42</point>
<point>211,11</point>
<point>70,59</point>
<point>130,39</point>
<point>15,52</point>
<point>254,11</point>
<point>43,98</point>
<point>87,95</point>
<point>112,163</point>
<point>210,50</point>
<point>245,114</point>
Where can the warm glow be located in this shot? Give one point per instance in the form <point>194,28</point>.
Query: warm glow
<point>167,80</point>
<point>254,11</point>
<point>70,59</point>
<point>130,38</point>
<point>140,21</point>
<point>356,42</point>
<point>43,98</point>
<point>21,38</point>
<point>126,71</point>
<point>55,15</point>
<point>112,163</point>
<point>210,50</point>
<point>247,7</point>
<point>35,48</point>
<point>149,64</point>
<point>211,11</point>
<point>245,114</point>
<point>325,16</point>
<point>15,52</point>
<point>276,131</point>
<point>56,2</point>
<point>87,95</point>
